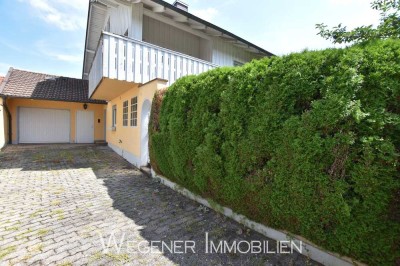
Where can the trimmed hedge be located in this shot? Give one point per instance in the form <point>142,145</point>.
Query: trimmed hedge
<point>308,143</point>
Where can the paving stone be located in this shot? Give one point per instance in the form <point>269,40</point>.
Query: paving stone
<point>56,199</point>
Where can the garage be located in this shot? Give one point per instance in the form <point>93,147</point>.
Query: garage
<point>43,125</point>
<point>42,108</point>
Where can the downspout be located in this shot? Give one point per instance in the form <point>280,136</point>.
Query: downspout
<point>9,119</point>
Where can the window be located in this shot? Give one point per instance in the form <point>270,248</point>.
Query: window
<point>237,63</point>
<point>114,116</point>
<point>125,114</point>
<point>134,112</point>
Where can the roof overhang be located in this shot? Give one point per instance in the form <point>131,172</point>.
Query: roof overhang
<point>109,89</point>
<point>97,15</point>
<point>196,23</point>
<point>95,23</point>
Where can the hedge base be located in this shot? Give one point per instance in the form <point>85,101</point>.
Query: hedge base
<point>314,252</point>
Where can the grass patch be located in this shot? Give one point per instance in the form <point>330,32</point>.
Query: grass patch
<point>59,191</point>
<point>59,211</point>
<point>39,157</point>
<point>217,232</point>
<point>55,202</point>
<point>43,232</point>
<point>122,258</point>
<point>96,256</point>
<point>65,264</point>
<point>66,155</point>
<point>38,248</point>
<point>6,251</point>
<point>13,228</point>
<point>118,257</point>
<point>35,214</point>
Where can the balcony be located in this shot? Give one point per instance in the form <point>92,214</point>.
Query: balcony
<point>121,62</point>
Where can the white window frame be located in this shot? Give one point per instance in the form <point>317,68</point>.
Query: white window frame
<point>125,113</point>
<point>134,113</point>
<point>114,116</point>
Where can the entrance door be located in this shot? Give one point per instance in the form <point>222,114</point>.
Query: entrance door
<point>84,127</point>
<point>144,133</point>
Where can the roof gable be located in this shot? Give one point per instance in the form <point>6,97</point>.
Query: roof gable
<point>26,84</point>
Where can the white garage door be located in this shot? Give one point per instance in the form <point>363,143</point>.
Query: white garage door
<point>38,125</point>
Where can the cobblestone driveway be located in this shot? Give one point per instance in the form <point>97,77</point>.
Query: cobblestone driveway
<point>58,201</point>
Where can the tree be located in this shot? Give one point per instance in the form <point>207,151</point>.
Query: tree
<point>389,26</point>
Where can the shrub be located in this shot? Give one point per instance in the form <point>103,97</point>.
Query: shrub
<point>307,143</point>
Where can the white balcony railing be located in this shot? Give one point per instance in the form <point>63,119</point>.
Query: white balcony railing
<point>131,60</point>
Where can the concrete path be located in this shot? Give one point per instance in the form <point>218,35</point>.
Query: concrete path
<point>60,204</point>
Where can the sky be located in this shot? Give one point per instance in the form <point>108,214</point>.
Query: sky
<point>48,36</point>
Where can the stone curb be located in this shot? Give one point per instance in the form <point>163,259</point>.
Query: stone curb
<point>311,250</point>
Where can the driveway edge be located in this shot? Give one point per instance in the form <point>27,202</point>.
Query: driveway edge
<point>312,251</point>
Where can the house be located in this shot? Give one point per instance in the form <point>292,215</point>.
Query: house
<point>135,47</point>
<point>41,108</point>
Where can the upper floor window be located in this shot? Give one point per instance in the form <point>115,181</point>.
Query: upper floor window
<point>125,114</point>
<point>114,116</point>
<point>134,112</point>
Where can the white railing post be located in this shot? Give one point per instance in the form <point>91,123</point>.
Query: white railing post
<point>135,61</point>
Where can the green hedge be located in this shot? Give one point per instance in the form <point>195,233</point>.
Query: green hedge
<point>308,143</point>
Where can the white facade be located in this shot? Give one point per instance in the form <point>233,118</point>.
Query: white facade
<point>139,40</point>
<point>149,26</point>
<point>125,59</point>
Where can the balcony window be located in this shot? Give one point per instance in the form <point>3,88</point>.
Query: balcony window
<point>134,112</point>
<point>125,114</point>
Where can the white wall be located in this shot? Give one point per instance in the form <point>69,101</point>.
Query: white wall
<point>136,30</point>
<point>167,36</point>
<point>120,19</point>
<point>152,30</point>
<point>225,53</point>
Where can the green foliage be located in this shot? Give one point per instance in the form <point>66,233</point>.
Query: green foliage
<point>307,143</point>
<point>389,26</point>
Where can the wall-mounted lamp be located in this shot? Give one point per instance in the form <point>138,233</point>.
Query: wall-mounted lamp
<point>85,106</point>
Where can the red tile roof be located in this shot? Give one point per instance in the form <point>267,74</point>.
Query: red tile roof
<point>26,84</point>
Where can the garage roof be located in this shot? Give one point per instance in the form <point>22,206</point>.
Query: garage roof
<point>26,84</point>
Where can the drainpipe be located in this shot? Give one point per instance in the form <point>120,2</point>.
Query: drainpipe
<point>9,119</point>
